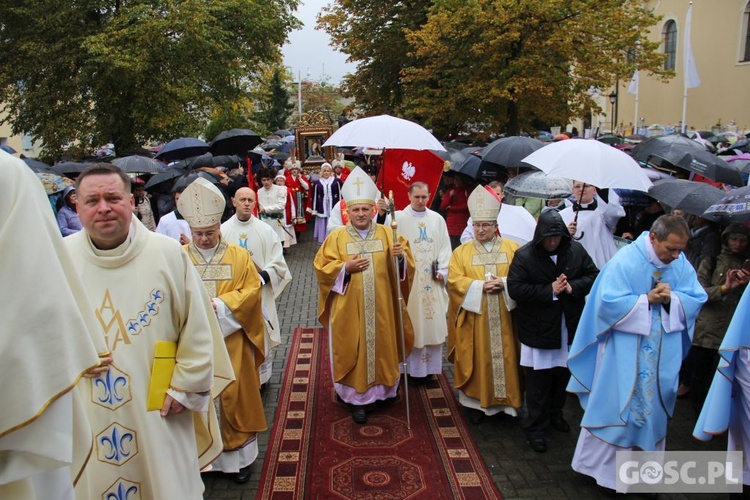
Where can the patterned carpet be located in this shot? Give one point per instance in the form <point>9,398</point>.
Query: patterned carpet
<point>317,451</point>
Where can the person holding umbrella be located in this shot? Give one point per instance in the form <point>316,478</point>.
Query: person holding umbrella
<point>591,219</point>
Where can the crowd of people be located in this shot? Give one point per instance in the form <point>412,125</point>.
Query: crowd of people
<point>168,309</point>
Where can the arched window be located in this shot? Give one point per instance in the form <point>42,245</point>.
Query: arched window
<point>746,33</point>
<point>670,44</point>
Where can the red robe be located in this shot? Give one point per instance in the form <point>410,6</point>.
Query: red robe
<point>294,186</point>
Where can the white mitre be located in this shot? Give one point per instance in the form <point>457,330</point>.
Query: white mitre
<point>483,205</point>
<point>201,204</point>
<point>359,188</point>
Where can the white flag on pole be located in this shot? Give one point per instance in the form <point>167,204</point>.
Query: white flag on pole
<point>692,79</point>
<point>633,87</point>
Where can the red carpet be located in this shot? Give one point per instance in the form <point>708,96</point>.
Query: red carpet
<point>316,451</point>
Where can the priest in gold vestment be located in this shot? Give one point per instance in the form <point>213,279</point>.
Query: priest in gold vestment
<point>144,292</point>
<point>482,343</point>
<point>233,283</point>
<point>358,300</point>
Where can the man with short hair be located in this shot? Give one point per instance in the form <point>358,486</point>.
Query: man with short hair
<point>481,339</point>
<point>428,302</point>
<point>549,279</point>
<point>625,359</point>
<point>146,295</point>
<point>266,251</point>
<point>591,219</point>
<point>354,268</point>
<point>233,284</point>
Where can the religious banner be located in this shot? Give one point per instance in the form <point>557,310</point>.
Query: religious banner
<point>403,167</point>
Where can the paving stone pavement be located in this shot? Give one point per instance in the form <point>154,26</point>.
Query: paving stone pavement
<point>517,471</point>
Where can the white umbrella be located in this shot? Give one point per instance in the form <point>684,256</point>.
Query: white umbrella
<point>516,223</point>
<point>592,162</point>
<point>384,132</point>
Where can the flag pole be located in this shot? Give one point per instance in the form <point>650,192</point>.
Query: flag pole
<point>691,78</point>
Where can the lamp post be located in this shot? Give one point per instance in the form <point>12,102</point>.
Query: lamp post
<point>612,100</point>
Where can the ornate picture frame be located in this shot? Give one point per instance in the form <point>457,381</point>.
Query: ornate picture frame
<point>313,130</point>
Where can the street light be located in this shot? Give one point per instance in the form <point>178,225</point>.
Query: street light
<point>612,100</point>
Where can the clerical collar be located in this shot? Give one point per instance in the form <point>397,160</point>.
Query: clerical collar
<point>584,206</point>
<point>423,213</point>
<point>244,222</point>
<point>362,232</point>
<point>118,250</point>
<point>208,253</point>
<point>651,255</point>
<point>489,245</point>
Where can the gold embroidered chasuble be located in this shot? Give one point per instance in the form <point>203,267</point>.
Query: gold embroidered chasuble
<point>231,276</point>
<point>363,321</point>
<point>483,347</point>
<point>146,291</point>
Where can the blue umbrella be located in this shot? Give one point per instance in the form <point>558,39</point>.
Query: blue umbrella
<point>8,149</point>
<point>182,148</point>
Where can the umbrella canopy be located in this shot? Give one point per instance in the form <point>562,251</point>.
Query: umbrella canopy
<point>384,132</point>
<point>168,175</point>
<point>69,167</point>
<point>138,165</point>
<point>679,151</point>
<point>733,207</point>
<point>38,166</point>
<point>516,223</point>
<point>472,166</point>
<point>282,132</point>
<point>236,141</point>
<point>227,161</point>
<point>688,196</point>
<point>54,183</point>
<point>742,162</point>
<point>539,185</point>
<point>592,162</point>
<point>184,181</point>
<point>509,151</point>
<point>612,140</point>
<point>8,149</point>
<point>181,148</point>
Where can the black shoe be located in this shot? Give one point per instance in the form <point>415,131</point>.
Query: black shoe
<point>476,416</point>
<point>539,444</point>
<point>359,415</point>
<point>243,475</point>
<point>560,424</point>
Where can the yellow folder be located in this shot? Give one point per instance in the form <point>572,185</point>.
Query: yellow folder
<point>161,373</point>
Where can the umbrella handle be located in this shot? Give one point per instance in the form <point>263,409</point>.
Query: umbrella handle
<point>575,219</point>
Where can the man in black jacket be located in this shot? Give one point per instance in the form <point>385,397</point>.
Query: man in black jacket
<point>549,279</point>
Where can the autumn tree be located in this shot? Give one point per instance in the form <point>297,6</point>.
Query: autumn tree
<point>96,71</point>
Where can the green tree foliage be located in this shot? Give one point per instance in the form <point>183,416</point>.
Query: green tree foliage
<point>372,34</point>
<point>276,103</point>
<point>501,65</point>
<point>96,71</point>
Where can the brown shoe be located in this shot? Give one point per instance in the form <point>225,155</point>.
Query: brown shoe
<point>683,391</point>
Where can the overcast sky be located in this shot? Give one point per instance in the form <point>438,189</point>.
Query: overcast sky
<point>308,50</point>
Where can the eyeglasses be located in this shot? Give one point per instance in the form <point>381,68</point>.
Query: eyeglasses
<point>483,225</point>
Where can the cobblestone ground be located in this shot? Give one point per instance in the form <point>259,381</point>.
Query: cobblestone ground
<point>517,471</point>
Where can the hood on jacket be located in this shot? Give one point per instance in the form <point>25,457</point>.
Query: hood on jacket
<point>550,223</point>
<point>733,228</point>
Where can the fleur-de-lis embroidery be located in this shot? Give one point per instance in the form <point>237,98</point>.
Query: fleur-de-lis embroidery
<point>123,492</point>
<point>110,386</point>
<point>117,443</point>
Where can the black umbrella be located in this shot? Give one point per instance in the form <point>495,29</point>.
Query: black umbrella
<point>472,166</point>
<point>237,141</point>
<point>272,144</point>
<point>204,160</point>
<point>136,151</point>
<point>227,161</point>
<point>39,166</point>
<point>139,165</point>
<point>733,207</point>
<point>168,175</point>
<point>181,148</point>
<point>282,132</point>
<point>184,181</point>
<point>688,196</point>
<point>69,167</point>
<point>509,151</point>
<point>679,151</point>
